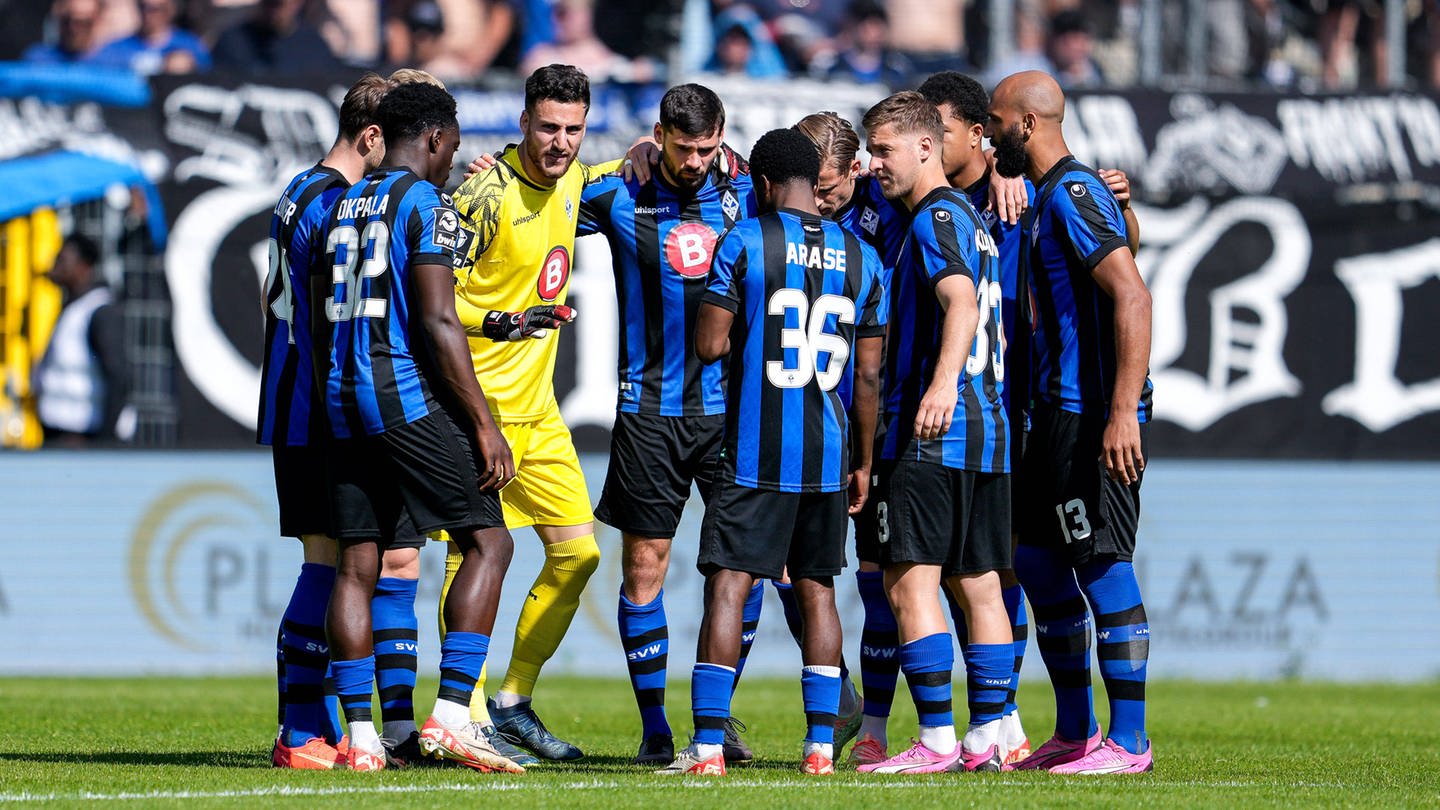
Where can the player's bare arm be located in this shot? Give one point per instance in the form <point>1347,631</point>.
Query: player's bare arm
<point>956,294</point>
<point>712,332</point>
<point>436,285</point>
<point>1119,185</point>
<point>869,354</point>
<point>1120,448</point>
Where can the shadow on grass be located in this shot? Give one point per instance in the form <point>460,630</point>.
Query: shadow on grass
<point>177,759</point>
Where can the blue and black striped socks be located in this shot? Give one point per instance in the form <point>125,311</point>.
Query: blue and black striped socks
<point>1062,632</point>
<point>645,635</point>
<point>306,652</point>
<point>750,625</point>
<point>879,653</point>
<point>462,656</point>
<point>1122,634</point>
<point>927,663</point>
<point>396,638</point>
<point>710,688</point>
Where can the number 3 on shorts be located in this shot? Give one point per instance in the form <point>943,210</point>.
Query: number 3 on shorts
<point>882,521</point>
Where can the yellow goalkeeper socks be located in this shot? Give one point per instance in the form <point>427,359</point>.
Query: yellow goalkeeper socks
<point>549,607</point>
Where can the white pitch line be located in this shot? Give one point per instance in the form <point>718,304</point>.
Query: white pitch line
<point>283,791</point>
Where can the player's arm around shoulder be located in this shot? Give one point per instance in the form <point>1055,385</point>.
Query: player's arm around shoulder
<point>597,197</point>
<point>1119,184</point>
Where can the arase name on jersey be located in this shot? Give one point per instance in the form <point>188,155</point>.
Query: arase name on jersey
<point>798,253</point>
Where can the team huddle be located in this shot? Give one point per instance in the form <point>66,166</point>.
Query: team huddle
<point>948,346</point>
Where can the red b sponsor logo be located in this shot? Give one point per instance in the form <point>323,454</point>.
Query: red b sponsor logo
<point>689,247</point>
<point>554,274</point>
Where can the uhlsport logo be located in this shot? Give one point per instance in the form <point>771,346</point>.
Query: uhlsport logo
<point>201,571</point>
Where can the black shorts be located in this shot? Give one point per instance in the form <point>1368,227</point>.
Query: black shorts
<point>867,527</point>
<point>426,469</point>
<point>653,461</point>
<point>763,532</point>
<point>935,515</point>
<point>1067,501</point>
<point>302,490</point>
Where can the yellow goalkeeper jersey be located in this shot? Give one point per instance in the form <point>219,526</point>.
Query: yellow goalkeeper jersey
<point>520,258</point>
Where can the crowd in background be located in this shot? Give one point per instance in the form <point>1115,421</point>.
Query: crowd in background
<point>1310,44</point>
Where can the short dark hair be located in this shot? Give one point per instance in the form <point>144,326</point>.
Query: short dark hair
<point>566,84</point>
<point>785,155</point>
<point>693,109</point>
<point>907,111</point>
<point>414,107</point>
<point>362,100</point>
<point>967,99</point>
<point>84,247</point>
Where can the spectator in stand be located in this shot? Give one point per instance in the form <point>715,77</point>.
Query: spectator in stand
<point>275,40</point>
<point>807,31</point>
<point>473,34</point>
<point>78,39</point>
<point>743,46</point>
<point>576,44</point>
<point>83,379</point>
<point>1029,54</point>
<point>867,55</point>
<point>931,33</point>
<point>160,46</point>
<point>1072,48</point>
<point>423,42</point>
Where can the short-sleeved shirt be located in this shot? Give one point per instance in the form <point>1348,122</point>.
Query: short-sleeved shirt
<point>946,238</point>
<point>662,241</point>
<point>287,379</point>
<point>1073,225</point>
<point>377,359</point>
<point>803,289</point>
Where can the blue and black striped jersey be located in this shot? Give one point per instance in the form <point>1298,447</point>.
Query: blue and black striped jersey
<point>662,241</point>
<point>287,379</point>
<point>946,238</point>
<point>1074,224</point>
<point>803,289</point>
<point>1007,240</point>
<point>876,220</point>
<point>377,361</point>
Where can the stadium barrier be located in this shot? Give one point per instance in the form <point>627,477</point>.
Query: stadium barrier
<point>1288,241</point>
<point>125,563</point>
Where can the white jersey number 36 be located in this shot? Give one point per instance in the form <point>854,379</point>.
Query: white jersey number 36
<point>810,338</point>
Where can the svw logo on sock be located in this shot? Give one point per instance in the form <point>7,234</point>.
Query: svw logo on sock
<point>643,653</point>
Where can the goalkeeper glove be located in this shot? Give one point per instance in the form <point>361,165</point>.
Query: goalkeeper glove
<point>534,322</point>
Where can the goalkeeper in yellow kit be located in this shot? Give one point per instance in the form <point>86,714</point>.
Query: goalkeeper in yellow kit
<point>511,298</point>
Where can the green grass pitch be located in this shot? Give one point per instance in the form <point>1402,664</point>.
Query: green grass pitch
<point>164,742</point>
